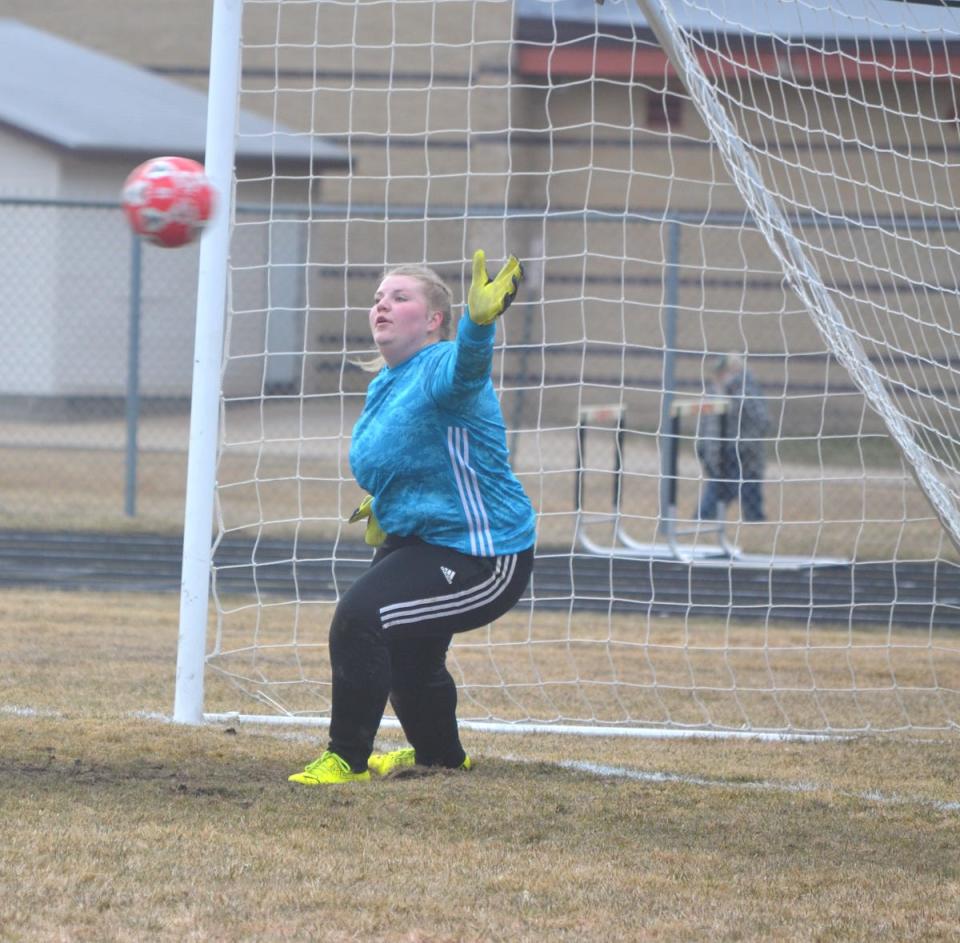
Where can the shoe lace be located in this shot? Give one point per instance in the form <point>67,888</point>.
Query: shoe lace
<point>327,759</point>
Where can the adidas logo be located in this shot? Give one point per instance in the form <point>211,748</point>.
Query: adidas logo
<point>448,574</point>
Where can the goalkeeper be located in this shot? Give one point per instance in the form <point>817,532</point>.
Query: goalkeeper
<point>452,526</point>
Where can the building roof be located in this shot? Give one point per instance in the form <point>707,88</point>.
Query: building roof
<point>853,19</point>
<point>890,40</point>
<point>86,102</point>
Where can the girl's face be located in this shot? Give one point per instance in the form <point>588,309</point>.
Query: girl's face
<point>400,320</point>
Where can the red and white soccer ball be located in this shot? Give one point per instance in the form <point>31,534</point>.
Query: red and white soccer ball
<point>168,200</point>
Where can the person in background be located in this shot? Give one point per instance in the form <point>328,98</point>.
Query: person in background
<point>452,526</point>
<point>733,456</point>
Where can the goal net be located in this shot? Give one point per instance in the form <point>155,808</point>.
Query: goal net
<point>730,379</point>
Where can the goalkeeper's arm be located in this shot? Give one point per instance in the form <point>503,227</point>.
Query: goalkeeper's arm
<point>457,379</point>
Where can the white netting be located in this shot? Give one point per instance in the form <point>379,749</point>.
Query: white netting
<point>808,172</point>
<point>869,241</point>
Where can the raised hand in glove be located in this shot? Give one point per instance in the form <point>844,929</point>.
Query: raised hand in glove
<point>374,534</point>
<point>488,299</point>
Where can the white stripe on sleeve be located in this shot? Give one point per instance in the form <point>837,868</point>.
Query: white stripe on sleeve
<point>478,526</point>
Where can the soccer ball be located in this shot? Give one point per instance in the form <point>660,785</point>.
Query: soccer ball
<point>168,200</point>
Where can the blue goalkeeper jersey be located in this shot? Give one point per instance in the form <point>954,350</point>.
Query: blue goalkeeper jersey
<point>431,447</point>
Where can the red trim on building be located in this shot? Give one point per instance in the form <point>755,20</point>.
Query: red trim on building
<point>577,62</point>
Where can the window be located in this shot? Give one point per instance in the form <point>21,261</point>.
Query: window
<point>664,109</point>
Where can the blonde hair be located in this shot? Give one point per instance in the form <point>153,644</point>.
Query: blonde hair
<point>438,296</point>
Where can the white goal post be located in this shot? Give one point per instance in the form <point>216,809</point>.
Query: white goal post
<point>731,379</point>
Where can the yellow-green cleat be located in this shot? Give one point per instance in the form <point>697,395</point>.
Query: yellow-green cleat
<point>329,769</point>
<point>384,763</point>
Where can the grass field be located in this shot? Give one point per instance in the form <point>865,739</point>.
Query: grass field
<point>118,826</point>
<point>599,669</point>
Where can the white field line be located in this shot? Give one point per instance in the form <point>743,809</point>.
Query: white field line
<point>18,710</point>
<point>622,772</point>
<point>602,770</point>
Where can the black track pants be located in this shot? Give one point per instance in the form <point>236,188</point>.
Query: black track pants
<point>389,639</point>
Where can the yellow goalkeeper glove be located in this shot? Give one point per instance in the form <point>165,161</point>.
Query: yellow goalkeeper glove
<point>487,299</point>
<point>374,534</point>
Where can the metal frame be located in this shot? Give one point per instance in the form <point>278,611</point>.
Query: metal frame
<point>720,553</point>
<point>222,108</point>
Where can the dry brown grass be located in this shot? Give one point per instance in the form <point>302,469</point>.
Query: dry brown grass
<point>599,669</point>
<point>115,827</point>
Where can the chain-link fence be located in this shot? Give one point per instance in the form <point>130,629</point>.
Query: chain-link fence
<point>95,371</point>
